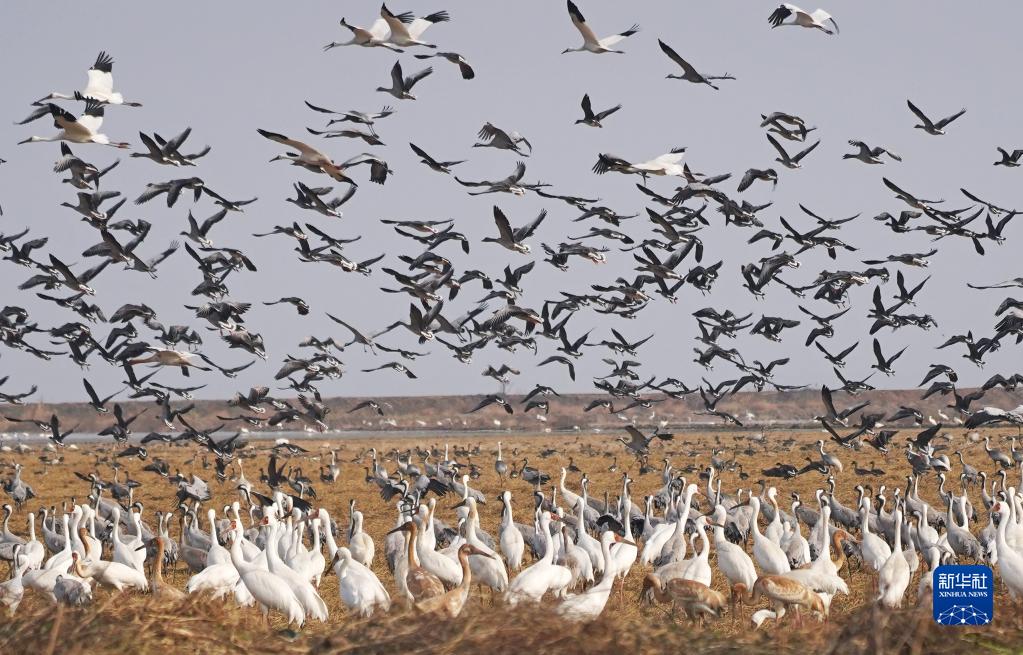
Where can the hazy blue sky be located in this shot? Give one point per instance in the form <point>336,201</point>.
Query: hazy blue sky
<point>226,68</point>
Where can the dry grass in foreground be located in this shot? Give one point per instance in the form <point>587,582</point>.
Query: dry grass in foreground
<point>143,625</point>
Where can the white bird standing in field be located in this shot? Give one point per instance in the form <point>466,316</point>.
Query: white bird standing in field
<point>769,555</point>
<point>874,549</point>
<point>589,604</point>
<point>359,587</point>
<point>360,543</point>
<point>509,537</point>
<point>270,591</point>
<point>893,578</point>
<point>543,576</point>
<point>732,560</point>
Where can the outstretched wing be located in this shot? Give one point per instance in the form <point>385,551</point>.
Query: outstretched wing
<point>674,56</point>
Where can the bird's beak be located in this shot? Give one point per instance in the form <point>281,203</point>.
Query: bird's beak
<point>461,504</point>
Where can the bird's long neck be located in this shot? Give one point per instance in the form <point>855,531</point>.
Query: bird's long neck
<point>548,540</point>
<point>83,534</point>
<point>898,532</point>
<point>609,567</point>
<point>158,564</point>
<point>413,556</point>
<point>237,558</point>
<point>756,516</point>
<point>329,536</point>
<point>463,559</point>
<point>654,584</point>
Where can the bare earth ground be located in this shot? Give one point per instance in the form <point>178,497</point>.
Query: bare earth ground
<point>137,623</point>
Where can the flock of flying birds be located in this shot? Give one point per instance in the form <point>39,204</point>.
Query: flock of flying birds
<point>670,233</point>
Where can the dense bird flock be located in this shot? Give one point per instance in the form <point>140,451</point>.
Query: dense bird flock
<point>269,564</point>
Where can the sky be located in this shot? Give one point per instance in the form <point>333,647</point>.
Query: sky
<point>229,67</point>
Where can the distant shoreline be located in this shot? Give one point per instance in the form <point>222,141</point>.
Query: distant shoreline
<point>427,415</point>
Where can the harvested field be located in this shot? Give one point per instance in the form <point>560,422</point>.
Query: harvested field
<point>116,622</point>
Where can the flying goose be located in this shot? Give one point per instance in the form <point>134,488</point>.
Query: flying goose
<point>77,283</point>
<point>401,87</point>
<point>1009,160</point>
<point>592,119</point>
<point>168,152</point>
<point>754,174</point>
<point>493,400</point>
<point>790,161</point>
<point>463,66</point>
<point>84,175</point>
<point>869,155</point>
<point>396,366</point>
<point>198,232</point>
<point>927,125</point>
<point>419,323</point>
<point>884,364</point>
<point>512,239</point>
<point>312,198</point>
